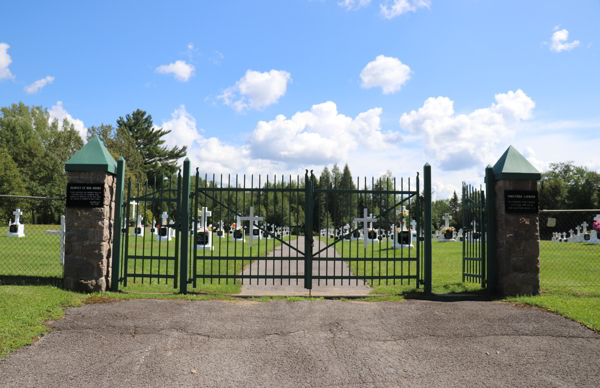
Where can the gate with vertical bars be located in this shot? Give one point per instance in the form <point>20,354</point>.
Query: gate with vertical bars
<point>280,231</point>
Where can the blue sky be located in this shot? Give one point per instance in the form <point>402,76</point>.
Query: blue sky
<point>279,86</point>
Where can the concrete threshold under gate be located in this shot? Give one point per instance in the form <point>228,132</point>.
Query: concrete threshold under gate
<point>280,287</point>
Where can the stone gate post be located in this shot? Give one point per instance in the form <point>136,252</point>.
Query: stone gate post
<point>89,220</point>
<point>516,270</point>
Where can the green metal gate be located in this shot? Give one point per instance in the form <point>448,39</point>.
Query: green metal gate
<point>474,252</point>
<point>289,229</point>
<point>479,233</point>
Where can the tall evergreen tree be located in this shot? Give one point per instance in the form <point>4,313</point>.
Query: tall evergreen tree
<point>158,159</point>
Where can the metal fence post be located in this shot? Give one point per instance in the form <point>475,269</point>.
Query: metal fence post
<point>491,229</point>
<point>308,231</point>
<point>184,224</point>
<point>118,224</point>
<point>427,253</point>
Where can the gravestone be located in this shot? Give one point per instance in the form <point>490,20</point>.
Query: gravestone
<point>16,229</point>
<point>252,218</point>
<point>365,220</point>
<point>164,232</point>
<point>154,229</point>
<point>139,228</point>
<point>204,234</point>
<point>402,236</point>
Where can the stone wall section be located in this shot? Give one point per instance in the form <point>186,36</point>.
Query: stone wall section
<point>89,237</point>
<point>517,244</point>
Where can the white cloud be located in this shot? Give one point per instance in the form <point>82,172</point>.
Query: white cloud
<point>182,70</point>
<point>59,113</point>
<point>387,72</point>
<point>466,141</point>
<point>319,136</point>
<point>559,41</point>
<point>182,127</point>
<point>353,5</point>
<point>529,154</point>
<point>37,85</point>
<point>256,90</point>
<point>5,61</point>
<point>444,190</point>
<point>392,8</point>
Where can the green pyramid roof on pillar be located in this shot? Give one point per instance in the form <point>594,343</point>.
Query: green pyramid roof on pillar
<point>513,165</point>
<point>92,157</point>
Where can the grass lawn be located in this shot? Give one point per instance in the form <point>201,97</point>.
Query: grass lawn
<point>36,254</point>
<point>570,274</point>
<point>241,252</point>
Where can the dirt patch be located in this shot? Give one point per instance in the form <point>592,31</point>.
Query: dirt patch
<point>100,299</point>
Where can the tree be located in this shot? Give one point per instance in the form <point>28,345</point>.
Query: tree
<point>158,159</point>
<point>10,184</point>
<point>39,149</point>
<point>454,204</point>
<point>566,186</point>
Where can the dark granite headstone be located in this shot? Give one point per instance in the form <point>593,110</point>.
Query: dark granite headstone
<point>219,233</point>
<point>13,228</point>
<point>138,230</point>
<point>372,235</point>
<point>448,235</point>
<point>356,234</point>
<point>163,232</point>
<point>202,238</point>
<point>587,237</point>
<point>152,230</point>
<point>256,232</point>
<point>404,238</point>
<point>237,234</point>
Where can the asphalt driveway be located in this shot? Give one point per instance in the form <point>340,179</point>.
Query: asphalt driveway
<point>177,343</point>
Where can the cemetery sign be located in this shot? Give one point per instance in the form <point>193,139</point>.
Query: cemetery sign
<point>85,195</point>
<point>521,201</point>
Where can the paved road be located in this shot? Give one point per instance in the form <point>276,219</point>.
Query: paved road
<point>296,267</point>
<point>160,343</point>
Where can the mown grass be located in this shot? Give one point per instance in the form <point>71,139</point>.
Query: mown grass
<point>24,309</point>
<point>241,253</point>
<point>37,254</point>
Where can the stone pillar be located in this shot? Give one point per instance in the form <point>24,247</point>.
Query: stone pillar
<point>517,236</point>
<point>90,229</point>
<point>517,244</point>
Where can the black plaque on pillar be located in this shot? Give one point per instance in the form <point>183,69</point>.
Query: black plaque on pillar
<point>237,234</point>
<point>13,228</point>
<point>372,235</point>
<point>521,201</point>
<point>163,232</point>
<point>138,230</point>
<point>85,195</point>
<point>219,233</point>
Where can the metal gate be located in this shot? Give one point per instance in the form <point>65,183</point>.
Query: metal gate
<point>474,253</point>
<point>288,229</point>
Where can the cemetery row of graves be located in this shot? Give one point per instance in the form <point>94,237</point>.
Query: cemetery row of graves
<point>568,258</point>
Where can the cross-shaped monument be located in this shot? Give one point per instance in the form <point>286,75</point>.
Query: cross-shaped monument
<point>204,214</point>
<point>17,229</point>
<point>134,204</point>
<point>447,219</point>
<point>365,220</point>
<point>251,218</point>
<point>139,229</point>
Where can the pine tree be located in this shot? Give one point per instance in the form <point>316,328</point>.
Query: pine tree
<point>158,159</point>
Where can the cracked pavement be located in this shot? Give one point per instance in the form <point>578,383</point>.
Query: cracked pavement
<point>178,343</point>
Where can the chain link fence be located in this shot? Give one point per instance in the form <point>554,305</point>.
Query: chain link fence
<point>569,248</point>
<point>31,241</point>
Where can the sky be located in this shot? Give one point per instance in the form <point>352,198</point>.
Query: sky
<point>277,87</point>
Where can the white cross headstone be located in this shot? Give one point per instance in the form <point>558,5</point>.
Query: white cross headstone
<point>447,219</point>
<point>164,225</point>
<point>365,220</point>
<point>18,213</point>
<point>413,230</point>
<point>134,204</point>
<point>584,224</point>
<point>17,229</point>
<point>204,214</point>
<point>474,225</point>
<point>139,228</point>
<point>154,230</point>
<point>251,218</point>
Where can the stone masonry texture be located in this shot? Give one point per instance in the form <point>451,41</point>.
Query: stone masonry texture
<point>89,237</point>
<point>517,244</point>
